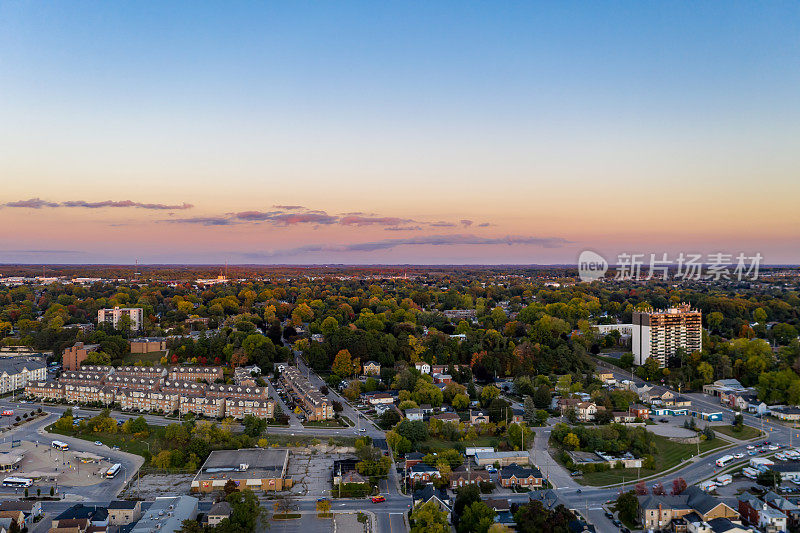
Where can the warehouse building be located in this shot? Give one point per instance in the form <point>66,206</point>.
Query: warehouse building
<point>253,468</point>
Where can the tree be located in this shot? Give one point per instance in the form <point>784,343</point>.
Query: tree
<point>489,393</point>
<point>162,460</point>
<point>627,506</point>
<point>571,440</point>
<point>768,478</point>
<point>245,511</point>
<point>230,487</point>
<point>343,364</point>
<point>477,517</point>
<point>678,486</point>
<point>641,488</point>
<point>542,397</point>
<point>658,489</point>
<point>626,360</point>
<point>323,508</point>
<point>428,518</point>
<point>460,402</point>
<point>529,406</point>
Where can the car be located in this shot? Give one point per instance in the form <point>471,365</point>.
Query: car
<point>774,448</point>
<point>609,515</point>
<point>362,430</point>
<point>751,452</point>
<point>115,447</point>
<point>490,468</point>
<point>617,523</point>
<point>664,420</point>
<point>751,447</point>
<point>322,499</point>
<point>576,473</point>
<point>579,491</point>
<point>98,443</point>
<point>738,456</point>
<point>378,499</point>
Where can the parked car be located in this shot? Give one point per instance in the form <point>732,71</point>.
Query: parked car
<point>98,443</point>
<point>378,499</point>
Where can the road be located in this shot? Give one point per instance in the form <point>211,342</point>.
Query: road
<point>34,432</point>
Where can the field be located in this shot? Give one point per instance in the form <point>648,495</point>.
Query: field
<point>667,456</point>
<point>747,432</point>
<point>126,443</point>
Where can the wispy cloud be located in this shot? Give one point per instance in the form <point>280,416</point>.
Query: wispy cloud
<point>38,203</point>
<point>289,207</point>
<point>41,252</point>
<point>403,228</point>
<point>442,224</point>
<point>484,225</point>
<point>202,221</point>
<point>429,240</point>
<point>465,222</point>
<point>358,220</point>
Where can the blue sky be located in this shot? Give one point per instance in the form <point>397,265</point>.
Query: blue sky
<point>550,120</point>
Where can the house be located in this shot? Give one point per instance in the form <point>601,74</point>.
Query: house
<point>412,458</point>
<point>586,411</point>
<point>463,475</point>
<point>442,378</point>
<point>516,476</point>
<point>759,513</point>
<point>565,404</point>
<point>640,411</point>
<point>657,511</point>
<point>478,417</point>
<point>658,395</point>
<point>423,367</point>
<point>414,414</point>
<point>422,472</point>
<point>431,494</point>
<point>372,368</point>
<point>381,398</point>
<point>32,508</point>
<point>791,510</point>
<point>623,417</point>
<point>517,415</point>
<point>218,512</point>
<point>447,417</point>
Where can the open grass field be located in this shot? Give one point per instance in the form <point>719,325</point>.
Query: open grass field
<point>747,432</point>
<point>668,455</point>
<point>126,443</point>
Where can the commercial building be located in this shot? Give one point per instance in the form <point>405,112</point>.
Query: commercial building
<point>124,512</point>
<point>113,316</point>
<point>660,334</point>
<point>166,515</point>
<point>16,373</point>
<point>148,344</point>
<point>503,458</point>
<point>252,468</point>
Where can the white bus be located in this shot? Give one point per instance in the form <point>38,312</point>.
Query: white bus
<point>725,459</point>
<point>751,473</point>
<point>113,471</point>
<point>58,445</point>
<point>17,482</point>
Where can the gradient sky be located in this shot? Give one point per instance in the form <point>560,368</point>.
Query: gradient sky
<point>461,132</point>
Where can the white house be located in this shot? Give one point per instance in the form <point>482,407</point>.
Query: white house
<point>423,367</point>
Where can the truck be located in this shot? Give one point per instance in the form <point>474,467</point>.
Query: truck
<point>725,459</point>
<point>8,412</point>
<point>750,473</point>
<point>724,479</point>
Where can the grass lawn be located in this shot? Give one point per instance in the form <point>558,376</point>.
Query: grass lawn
<point>152,357</point>
<point>126,443</point>
<point>332,423</point>
<point>668,455</point>
<point>438,444</point>
<point>747,432</point>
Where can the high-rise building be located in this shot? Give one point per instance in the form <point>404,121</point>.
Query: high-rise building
<point>112,316</point>
<point>659,334</point>
<point>74,356</point>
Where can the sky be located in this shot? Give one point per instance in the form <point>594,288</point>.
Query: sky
<point>397,132</point>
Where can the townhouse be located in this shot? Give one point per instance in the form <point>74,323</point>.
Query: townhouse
<point>194,373</point>
<point>657,512</point>
<point>239,408</point>
<point>315,405</point>
<point>46,390</point>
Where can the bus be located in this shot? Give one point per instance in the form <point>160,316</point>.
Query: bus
<point>725,459</point>
<point>17,482</point>
<point>58,445</point>
<point>113,471</point>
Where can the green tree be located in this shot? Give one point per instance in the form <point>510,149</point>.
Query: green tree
<point>428,518</point>
<point>627,506</point>
<point>477,517</point>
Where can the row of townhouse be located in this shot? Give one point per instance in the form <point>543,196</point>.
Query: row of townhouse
<point>141,394</point>
<point>316,406</point>
<point>208,374</point>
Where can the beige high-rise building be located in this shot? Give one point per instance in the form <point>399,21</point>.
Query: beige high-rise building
<point>659,334</point>
<point>112,316</point>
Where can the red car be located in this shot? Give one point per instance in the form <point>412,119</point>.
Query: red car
<point>378,499</point>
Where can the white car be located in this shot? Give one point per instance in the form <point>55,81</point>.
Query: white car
<point>98,443</point>
<point>774,448</point>
<point>738,456</point>
<point>751,447</point>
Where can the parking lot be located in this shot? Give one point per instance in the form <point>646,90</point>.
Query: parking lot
<point>312,473</point>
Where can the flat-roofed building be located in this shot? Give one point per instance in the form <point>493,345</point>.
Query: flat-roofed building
<point>660,334</point>
<point>75,355</point>
<point>503,458</point>
<point>148,344</point>
<point>113,316</point>
<point>166,515</point>
<point>251,468</point>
